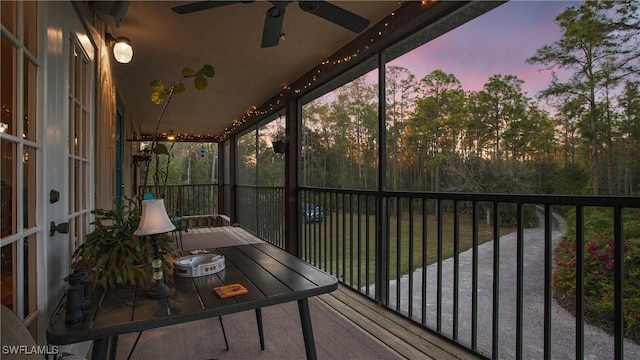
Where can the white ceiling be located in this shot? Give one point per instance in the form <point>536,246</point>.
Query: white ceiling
<point>228,38</point>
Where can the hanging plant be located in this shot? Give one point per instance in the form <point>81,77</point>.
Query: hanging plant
<point>280,141</point>
<point>279,146</point>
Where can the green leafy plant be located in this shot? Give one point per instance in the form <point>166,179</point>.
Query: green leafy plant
<point>112,254</point>
<point>162,93</point>
<point>599,266</point>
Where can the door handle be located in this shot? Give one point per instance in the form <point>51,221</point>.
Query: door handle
<point>62,228</point>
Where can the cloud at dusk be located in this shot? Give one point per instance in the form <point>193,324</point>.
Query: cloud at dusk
<point>498,42</point>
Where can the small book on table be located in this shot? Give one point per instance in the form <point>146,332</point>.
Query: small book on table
<point>230,290</point>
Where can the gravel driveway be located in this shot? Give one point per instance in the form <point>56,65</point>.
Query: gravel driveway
<point>598,344</point>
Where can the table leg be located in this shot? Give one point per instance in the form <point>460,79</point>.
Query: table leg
<point>260,333</point>
<point>307,330</point>
<point>224,333</point>
<point>113,347</point>
<point>100,349</point>
<point>105,348</point>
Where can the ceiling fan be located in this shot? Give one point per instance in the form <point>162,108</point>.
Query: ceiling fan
<point>275,15</point>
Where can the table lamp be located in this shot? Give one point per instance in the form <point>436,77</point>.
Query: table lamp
<point>155,221</point>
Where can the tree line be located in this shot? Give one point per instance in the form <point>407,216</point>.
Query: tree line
<point>578,136</point>
<point>185,163</point>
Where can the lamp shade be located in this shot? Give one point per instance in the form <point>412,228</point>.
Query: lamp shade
<point>154,219</point>
<point>122,50</point>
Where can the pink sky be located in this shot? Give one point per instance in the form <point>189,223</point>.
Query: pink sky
<point>498,42</point>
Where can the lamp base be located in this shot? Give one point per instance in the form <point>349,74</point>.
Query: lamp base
<point>159,290</point>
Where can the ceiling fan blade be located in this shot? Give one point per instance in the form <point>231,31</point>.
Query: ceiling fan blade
<point>202,5</point>
<point>335,14</point>
<point>272,26</point>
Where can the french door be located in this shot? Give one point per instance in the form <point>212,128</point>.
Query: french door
<point>20,149</point>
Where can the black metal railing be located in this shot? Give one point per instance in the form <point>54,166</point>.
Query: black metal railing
<point>186,200</point>
<point>270,224</point>
<point>261,211</point>
<point>475,269</point>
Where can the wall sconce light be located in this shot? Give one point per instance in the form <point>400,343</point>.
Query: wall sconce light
<point>122,50</point>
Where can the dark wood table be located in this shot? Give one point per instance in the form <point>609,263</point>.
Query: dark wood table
<point>271,276</point>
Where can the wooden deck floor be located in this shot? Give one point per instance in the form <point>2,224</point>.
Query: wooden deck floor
<point>399,335</point>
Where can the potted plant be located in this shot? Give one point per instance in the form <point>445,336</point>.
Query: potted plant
<point>112,255</point>
<point>280,146</point>
<point>280,141</point>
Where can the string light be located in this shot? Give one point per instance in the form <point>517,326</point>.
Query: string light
<point>179,137</point>
<point>388,25</point>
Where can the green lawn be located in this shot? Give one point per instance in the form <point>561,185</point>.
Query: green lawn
<point>333,243</point>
